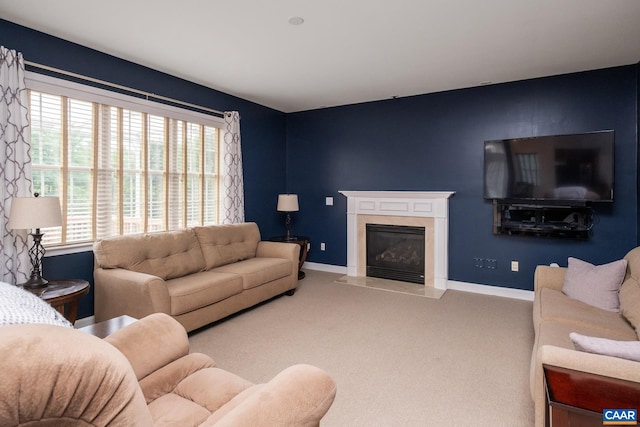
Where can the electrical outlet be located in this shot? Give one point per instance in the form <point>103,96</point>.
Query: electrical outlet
<point>515,266</point>
<point>491,263</point>
<point>478,262</point>
<point>322,246</point>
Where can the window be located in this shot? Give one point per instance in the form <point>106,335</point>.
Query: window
<point>122,170</point>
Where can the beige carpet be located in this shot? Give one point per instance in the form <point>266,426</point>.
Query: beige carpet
<point>398,359</point>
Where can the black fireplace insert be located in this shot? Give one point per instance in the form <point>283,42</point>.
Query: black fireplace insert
<point>395,252</point>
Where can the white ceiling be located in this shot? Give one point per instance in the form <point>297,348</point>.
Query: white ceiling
<point>347,51</point>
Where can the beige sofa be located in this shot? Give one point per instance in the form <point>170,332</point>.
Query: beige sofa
<point>143,375</point>
<point>197,275</point>
<point>555,316</point>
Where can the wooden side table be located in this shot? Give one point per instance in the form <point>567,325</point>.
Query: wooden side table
<point>578,398</point>
<point>106,328</point>
<point>303,241</point>
<point>63,295</point>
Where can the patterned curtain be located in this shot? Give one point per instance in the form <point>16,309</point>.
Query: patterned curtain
<point>15,164</point>
<point>232,182</point>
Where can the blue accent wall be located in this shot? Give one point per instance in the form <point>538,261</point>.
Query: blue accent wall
<point>435,142</point>
<point>430,142</point>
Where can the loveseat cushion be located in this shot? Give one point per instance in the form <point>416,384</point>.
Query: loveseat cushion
<point>630,302</point>
<point>554,305</point>
<point>168,254</point>
<point>630,289</point>
<point>258,271</point>
<point>224,244</point>
<point>556,332</point>
<point>198,290</point>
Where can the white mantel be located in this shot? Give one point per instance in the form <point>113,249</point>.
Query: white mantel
<point>411,204</point>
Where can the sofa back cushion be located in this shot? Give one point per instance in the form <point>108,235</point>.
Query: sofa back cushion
<point>168,254</point>
<point>630,289</point>
<point>224,244</point>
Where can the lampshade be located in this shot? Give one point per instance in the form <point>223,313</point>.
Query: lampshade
<point>34,212</point>
<point>288,203</point>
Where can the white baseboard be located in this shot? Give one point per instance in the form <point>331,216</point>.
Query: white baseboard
<point>497,291</point>
<point>451,284</point>
<point>325,267</point>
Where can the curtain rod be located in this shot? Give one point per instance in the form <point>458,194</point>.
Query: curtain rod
<point>147,95</point>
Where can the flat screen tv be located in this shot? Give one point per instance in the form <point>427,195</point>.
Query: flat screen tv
<point>576,168</point>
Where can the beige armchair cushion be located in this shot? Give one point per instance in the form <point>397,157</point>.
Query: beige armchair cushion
<point>58,376</point>
<point>167,255</point>
<point>298,396</point>
<point>186,389</point>
<point>225,244</point>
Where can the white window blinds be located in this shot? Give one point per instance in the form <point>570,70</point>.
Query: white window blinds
<point>120,170</point>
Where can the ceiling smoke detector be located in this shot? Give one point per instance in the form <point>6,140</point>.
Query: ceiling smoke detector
<point>296,20</point>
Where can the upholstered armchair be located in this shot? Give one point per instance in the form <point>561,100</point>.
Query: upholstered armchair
<point>143,375</point>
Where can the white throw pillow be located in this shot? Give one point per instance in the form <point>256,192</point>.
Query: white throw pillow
<point>624,349</point>
<point>596,285</point>
<point>18,306</point>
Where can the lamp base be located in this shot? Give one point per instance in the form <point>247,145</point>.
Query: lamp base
<point>35,282</point>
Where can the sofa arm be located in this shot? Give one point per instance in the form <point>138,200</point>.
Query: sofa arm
<point>119,291</point>
<point>298,396</point>
<point>597,364</point>
<point>548,277</point>
<point>151,343</point>
<point>279,250</point>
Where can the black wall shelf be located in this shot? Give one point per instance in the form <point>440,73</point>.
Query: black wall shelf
<point>570,222</point>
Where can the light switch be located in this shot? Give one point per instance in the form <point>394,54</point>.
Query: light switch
<point>329,201</point>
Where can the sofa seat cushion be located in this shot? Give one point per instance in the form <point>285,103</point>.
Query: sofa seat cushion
<point>198,290</point>
<point>554,305</point>
<point>224,244</point>
<point>258,271</point>
<point>556,333</point>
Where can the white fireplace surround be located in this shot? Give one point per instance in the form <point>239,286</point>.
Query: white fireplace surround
<point>415,206</point>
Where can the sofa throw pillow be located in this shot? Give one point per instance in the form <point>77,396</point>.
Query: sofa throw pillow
<point>18,306</point>
<point>596,285</point>
<point>623,349</point>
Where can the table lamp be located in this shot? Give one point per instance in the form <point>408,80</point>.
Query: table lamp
<point>288,203</point>
<point>33,213</point>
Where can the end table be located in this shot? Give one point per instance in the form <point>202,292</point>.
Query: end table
<point>107,327</point>
<point>63,295</point>
<point>577,398</point>
<point>303,241</point>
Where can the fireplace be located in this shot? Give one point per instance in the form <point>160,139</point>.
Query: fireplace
<point>429,210</point>
<point>395,252</point>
